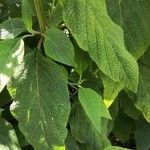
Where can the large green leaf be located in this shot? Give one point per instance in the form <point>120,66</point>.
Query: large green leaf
<point>143,94</point>
<point>11,56</point>
<point>95,32</point>
<point>41,101</point>
<point>8,138</point>
<point>133,16</point>
<point>83,130</point>
<point>142,135</point>
<point>11,28</point>
<point>93,106</point>
<point>59,47</point>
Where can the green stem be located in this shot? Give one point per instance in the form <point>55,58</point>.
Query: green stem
<point>40,15</point>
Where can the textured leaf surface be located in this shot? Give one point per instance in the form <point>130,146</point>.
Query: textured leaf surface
<point>143,94</point>
<point>133,16</point>
<point>80,123</point>
<point>95,32</point>
<point>8,138</point>
<point>59,47</point>
<point>82,59</point>
<point>41,102</point>
<point>55,16</point>
<point>11,56</point>
<point>111,89</point>
<point>11,28</point>
<point>93,106</point>
<point>142,135</point>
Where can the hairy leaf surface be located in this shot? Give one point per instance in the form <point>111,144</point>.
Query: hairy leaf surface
<point>133,16</point>
<point>96,33</point>
<point>41,102</point>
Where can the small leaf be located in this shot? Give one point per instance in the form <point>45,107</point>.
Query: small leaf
<point>59,47</point>
<point>11,56</point>
<point>89,99</point>
<point>8,138</point>
<point>11,28</point>
<point>80,123</point>
<point>41,101</point>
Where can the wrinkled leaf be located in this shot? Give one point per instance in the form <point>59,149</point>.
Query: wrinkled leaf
<point>41,102</point>
<point>95,32</point>
<point>133,17</point>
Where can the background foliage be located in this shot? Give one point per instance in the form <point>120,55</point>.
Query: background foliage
<point>74,75</point>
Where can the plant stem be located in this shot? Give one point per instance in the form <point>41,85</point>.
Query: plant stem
<point>40,15</point>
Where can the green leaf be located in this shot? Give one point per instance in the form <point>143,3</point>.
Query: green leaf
<point>111,89</point>
<point>71,144</point>
<point>127,105</point>
<point>80,123</point>
<point>133,17</point>
<point>11,28</point>
<point>11,56</point>
<point>142,135</point>
<point>41,101</point>
<point>95,32</point>
<point>145,58</point>
<point>89,99</point>
<point>143,93</point>
<point>59,47</point>
<point>55,16</point>
<point>82,59</point>
<point>8,138</point>
<point>122,127</point>
<point>27,13</point>
<point>115,148</point>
